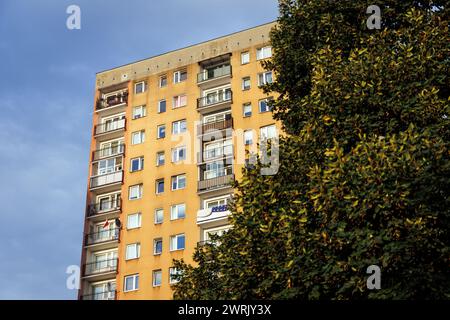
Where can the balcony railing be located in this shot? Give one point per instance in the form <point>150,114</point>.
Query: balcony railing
<point>220,152</point>
<point>102,236</point>
<point>215,98</point>
<point>212,127</point>
<point>214,73</point>
<point>215,183</point>
<point>108,152</point>
<point>105,295</point>
<point>101,266</point>
<point>112,101</point>
<point>104,207</point>
<point>110,126</point>
<point>106,179</point>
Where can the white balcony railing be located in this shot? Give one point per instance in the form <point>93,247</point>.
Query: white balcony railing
<point>106,179</point>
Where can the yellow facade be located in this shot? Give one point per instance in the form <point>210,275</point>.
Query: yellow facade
<point>213,69</point>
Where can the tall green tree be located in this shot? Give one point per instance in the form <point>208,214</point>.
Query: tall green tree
<point>364,172</point>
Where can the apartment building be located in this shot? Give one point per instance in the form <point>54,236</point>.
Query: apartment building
<point>169,135</point>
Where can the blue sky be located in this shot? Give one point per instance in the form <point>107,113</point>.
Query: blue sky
<point>46,96</point>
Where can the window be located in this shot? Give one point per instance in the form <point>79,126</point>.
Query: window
<point>159,186</point>
<point>264,78</point>
<point>264,53</point>
<point>162,106</point>
<point>218,203</point>
<point>133,251</point>
<point>137,164</point>
<point>264,105</point>
<point>246,83</point>
<point>134,221</point>
<point>160,158</point>
<point>173,275</point>
<point>179,101</point>
<point>163,81</point>
<point>179,76</point>
<point>179,182</point>
<point>135,192</point>
<point>159,216</point>
<point>138,137</point>
<point>140,87</point>
<point>179,154</point>
<point>245,57</point>
<point>161,131</point>
<point>139,112</point>
<point>178,126</point>
<point>157,246</point>
<point>177,242</point>
<point>248,137</point>
<point>268,132</point>
<point>131,283</point>
<point>178,211</point>
<point>247,109</point>
<point>157,278</point>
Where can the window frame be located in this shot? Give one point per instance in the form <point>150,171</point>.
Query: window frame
<point>176,236</point>
<point>156,185</point>
<point>137,251</point>
<point>140,164</point>
<point>159,105</point>
<point>176,151</point>
<point>158,164</point>
<point>135,278</point>
<point>155,220</point>
<point>178,123</point>
<point>144,87</point>
<point>245,53</point>
<point>176,207</point>
<point>139,221</point>
<point>155,241</point>
<point>247,104</point>
<point>250,131</point>
<point>263,56</point>
<point>141,134</point>
<point>244,79</point>
<point>177,177</point>
<point>143,109</point>
<point>140,191</point>
<point>158,136</point>
<point>177,76</point>
<point>154,278</point>
<point>161,77</point>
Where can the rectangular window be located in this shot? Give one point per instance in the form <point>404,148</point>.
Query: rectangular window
<point>139,112</point>
<point>134,221</point>
<point>163,81</point>
<point>131,283</point>
<point>178,126</point>
<point>137,164</point>
<point>160,158</point>
<point>173,275</point>
<point>179,76</point>
<point>138,137</point>
<point>264,78</point>
<point>159,216</point>
<point>161,131</point>
<point>263,53</point>
<point>178,182</point>
<point>268,132</point>
<point>140,87</point>
<point>159,186</point>
<point>177,242</point>
<point>179,101</point>
<point>135,192</point>
<point>157,278</point>
<point>179,154</point>
<point>157,246</point>
<point>247,110</point>
<point>245,57</point>
<point>178,211</point>
<point>162,106</point>
<point>248,137</point>
<point>264,105</point>
<point>246,83</point>
<point>133,251</point>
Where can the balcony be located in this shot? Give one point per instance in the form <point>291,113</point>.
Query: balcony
<point>104,207</point>
<point>214,127</point>
<point>210,74</point>
<point>115,100</point>
<point>100,267</point>
<point>215,99</point>
<point>212,214</point>
<point>215,183</point>
<point>102,236</point>
<point>108,152</point>
<point>106,179</point>
<point>109,127</point>
<point>105,295</point>
<point>222,152</point>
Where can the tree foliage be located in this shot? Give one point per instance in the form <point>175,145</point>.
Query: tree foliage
<point>364,172</point>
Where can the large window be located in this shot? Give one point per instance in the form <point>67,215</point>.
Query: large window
<point>135,192</point>
<point>245,57</point>
<point>178,182</point>
<point>179,76</point>
<point>138,137</point>
<point>139,112</point>
<point>177,242</point>
<point>264,53</point>
<point>109,165</point>
<point>157,246</point>
<point>216,202</point>
<point>131,283</point>
<point>179,101</point>
<point>179,154</point>
<point>159,216</point>
<point>137,164</point>
<point>264,78</point>
<point>134,221</point>
<point>133,251</point>
<point>178,211</point>
<point>268,132</point>
<point>178,126</point>
<point>157,278</point>
<point>159,186</point>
